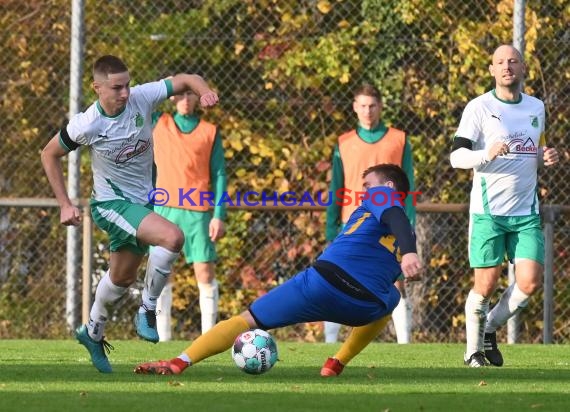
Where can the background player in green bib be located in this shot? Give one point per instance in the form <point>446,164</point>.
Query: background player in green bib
<point>188,154</point>
<point>501,136</point>
<point>118,132</point>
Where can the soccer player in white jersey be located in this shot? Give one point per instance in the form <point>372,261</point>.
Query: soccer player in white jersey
<point>501,136</point>
<point>117,129</point>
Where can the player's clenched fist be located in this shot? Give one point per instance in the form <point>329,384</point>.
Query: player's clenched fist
<point>208,99</point>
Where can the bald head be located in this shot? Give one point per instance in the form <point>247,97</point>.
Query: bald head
<point>506,50</point>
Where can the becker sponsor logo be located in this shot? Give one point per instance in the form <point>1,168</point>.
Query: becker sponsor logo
<point>128,152</point>
<point>523,147</point>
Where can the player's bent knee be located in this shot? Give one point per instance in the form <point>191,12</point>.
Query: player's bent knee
<point>173,238</point>
<point>250,320</point>
<point>178,239</point>
<point>123,280</point>
<point>529,288</point>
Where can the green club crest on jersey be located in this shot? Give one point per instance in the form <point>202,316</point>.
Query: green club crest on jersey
<point>139,120</point>
<point>534,121</point>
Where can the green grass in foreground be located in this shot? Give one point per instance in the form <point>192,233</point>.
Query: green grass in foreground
<point>46,376</point>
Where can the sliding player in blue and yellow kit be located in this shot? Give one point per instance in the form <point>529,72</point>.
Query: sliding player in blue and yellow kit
<point>351,282</point>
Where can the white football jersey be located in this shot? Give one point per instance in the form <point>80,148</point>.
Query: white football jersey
<point>506,186</point>
<point>121,146</point>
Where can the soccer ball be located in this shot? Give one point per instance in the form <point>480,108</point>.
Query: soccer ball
<point>254,351</point>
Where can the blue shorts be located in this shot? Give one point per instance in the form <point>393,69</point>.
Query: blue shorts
<point>308,297</point>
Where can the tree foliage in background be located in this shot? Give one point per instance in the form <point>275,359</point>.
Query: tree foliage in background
<point>285,71</point>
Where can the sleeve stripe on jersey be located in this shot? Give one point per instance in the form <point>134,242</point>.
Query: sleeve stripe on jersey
<point>65,141</point>
<point>169,88</point>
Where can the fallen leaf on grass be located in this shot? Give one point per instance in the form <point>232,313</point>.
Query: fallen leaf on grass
<point>482,383</point>
<point>175,383</point>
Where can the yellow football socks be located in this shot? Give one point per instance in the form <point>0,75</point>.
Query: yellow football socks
<point>359,338</point>
<point>217,339</point>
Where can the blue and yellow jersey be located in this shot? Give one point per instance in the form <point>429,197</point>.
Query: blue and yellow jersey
<point>365,248</point>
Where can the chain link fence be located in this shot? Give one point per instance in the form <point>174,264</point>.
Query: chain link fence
<point>285,72</point>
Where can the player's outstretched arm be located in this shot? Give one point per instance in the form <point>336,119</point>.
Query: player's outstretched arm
<point>51,161</point>
<point>184,82</point>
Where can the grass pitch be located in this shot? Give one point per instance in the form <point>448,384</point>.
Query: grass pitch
<point>38,375</point>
